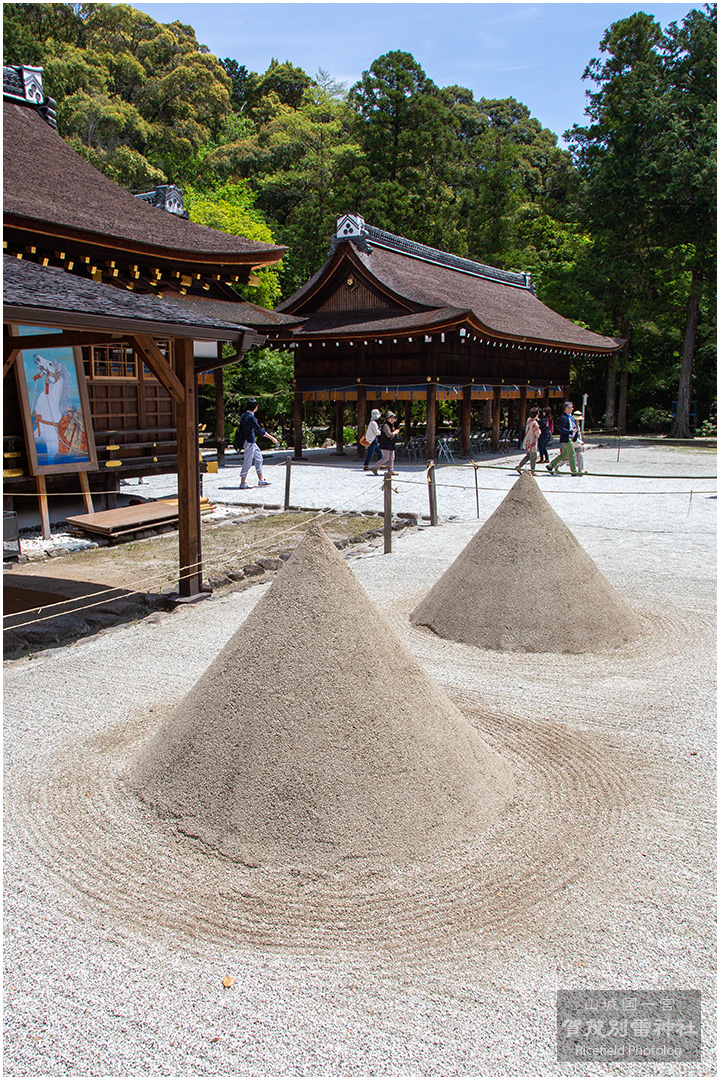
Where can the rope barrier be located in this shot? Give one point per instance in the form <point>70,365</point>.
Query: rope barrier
<point>147,585</point>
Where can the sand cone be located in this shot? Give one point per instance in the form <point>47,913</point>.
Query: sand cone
<point>524,584</point>
<point>315,731</point>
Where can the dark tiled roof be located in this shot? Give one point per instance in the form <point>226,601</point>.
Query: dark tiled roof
<point>241,311</point>
<point>46,288</point>
<point>47,183</point>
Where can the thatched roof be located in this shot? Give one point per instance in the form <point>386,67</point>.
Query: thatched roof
<point>49,189</point>
<point>410,278</point>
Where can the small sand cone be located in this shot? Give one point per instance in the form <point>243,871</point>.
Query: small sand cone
<point>524,584</point>
<point>316,732</point>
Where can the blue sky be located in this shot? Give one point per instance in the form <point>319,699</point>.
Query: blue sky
<point>534,52</point>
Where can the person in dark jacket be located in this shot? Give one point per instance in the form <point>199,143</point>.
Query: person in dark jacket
<point>568,434</point>
<point>252,455</point>
<point>388,438</point>
<point>546,433</point>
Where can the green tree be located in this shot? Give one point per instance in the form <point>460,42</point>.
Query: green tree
<point>648,166</point>
<point>231,209</point>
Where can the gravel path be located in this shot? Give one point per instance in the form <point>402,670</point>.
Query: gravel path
<point>118,933</point>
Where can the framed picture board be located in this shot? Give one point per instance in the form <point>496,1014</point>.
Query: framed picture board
<point>55,408</point>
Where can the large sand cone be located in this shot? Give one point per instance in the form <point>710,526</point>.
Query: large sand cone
<point>524,584</point>
<point>316,731</point>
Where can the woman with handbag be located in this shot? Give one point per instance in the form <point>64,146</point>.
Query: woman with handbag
<point>372,440</point>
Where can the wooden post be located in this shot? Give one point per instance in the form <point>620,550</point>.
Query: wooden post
<point>87,497</point>
<point>387,513</point>
<point>288,467</point>
<point>362,418</point>
<point>219,410</point>
<point>431,420</point>
<point>339,427</point>
<point>496,408</point>
<point>297,423</point>
<point>43,504</point>
<point>188,473</point>
<point>477,490</point>
<point>522,420</point>
<point>465,421</point>
<point>487,413</point>
<point>408,420</point>
<point>432,492</point>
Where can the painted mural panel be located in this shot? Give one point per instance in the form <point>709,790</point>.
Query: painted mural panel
<point>56,412</point>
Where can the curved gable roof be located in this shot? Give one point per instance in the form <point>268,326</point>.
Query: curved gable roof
<point>71,198</point>
<point>496,302</point>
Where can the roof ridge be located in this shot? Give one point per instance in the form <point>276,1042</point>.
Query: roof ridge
<point>381,238</point>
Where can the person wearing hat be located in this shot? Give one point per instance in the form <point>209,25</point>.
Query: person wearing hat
<point>252,455</point>
<point>388,438</point>
<point>372,438</point>
<point>578,444</point>
<point>568,434</point>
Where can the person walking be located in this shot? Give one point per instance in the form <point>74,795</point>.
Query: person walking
<point>252,455</point>
<point>546,433</point>
<point>568,435</point>
<point>372,438</point>
<point>530,441</point>
<point>388,438</point>
<point>578,444</point>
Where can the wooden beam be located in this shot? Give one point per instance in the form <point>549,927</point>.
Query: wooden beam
<point>188,473</point>
<point>9,361</point>
<point>55,341</point>
<point>87,497</point>
<point>148,351</point>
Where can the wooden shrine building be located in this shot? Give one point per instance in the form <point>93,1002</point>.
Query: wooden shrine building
<point>387,319</point>
<point>142,296</point>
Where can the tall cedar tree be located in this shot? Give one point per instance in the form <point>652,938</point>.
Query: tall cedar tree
<point>648,167</point>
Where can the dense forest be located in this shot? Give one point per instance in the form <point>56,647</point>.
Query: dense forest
<point>618,231</point>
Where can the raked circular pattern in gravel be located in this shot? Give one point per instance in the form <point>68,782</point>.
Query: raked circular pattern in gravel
<point>118,932</point>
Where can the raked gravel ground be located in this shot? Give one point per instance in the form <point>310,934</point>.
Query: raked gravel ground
<point>117,938</point>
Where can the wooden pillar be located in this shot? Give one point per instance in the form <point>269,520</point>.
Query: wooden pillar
<point>465,421</point>
<point>43,505</point>
<point>496,409</point>
<point>362,419</point>
<point>297,423</point>
<point>188,473</point>
<point>546,397</point>
<point>522,419</point>
<point>487,413</point>
<point>408,419</point>
<point>511,412</point>
<point>339,427</point>
<point>219,410</point>
<point>431,420</point>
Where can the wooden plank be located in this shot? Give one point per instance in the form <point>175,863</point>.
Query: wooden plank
<point>106,522</point>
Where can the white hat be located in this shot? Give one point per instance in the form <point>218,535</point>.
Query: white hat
<point>375,414</point>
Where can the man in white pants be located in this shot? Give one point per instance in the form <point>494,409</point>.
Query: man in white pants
<point>251,451</point>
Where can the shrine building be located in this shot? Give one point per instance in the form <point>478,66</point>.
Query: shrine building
<point>390,320</point>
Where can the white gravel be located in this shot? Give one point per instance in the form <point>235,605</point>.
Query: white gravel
<point>117,942</point>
